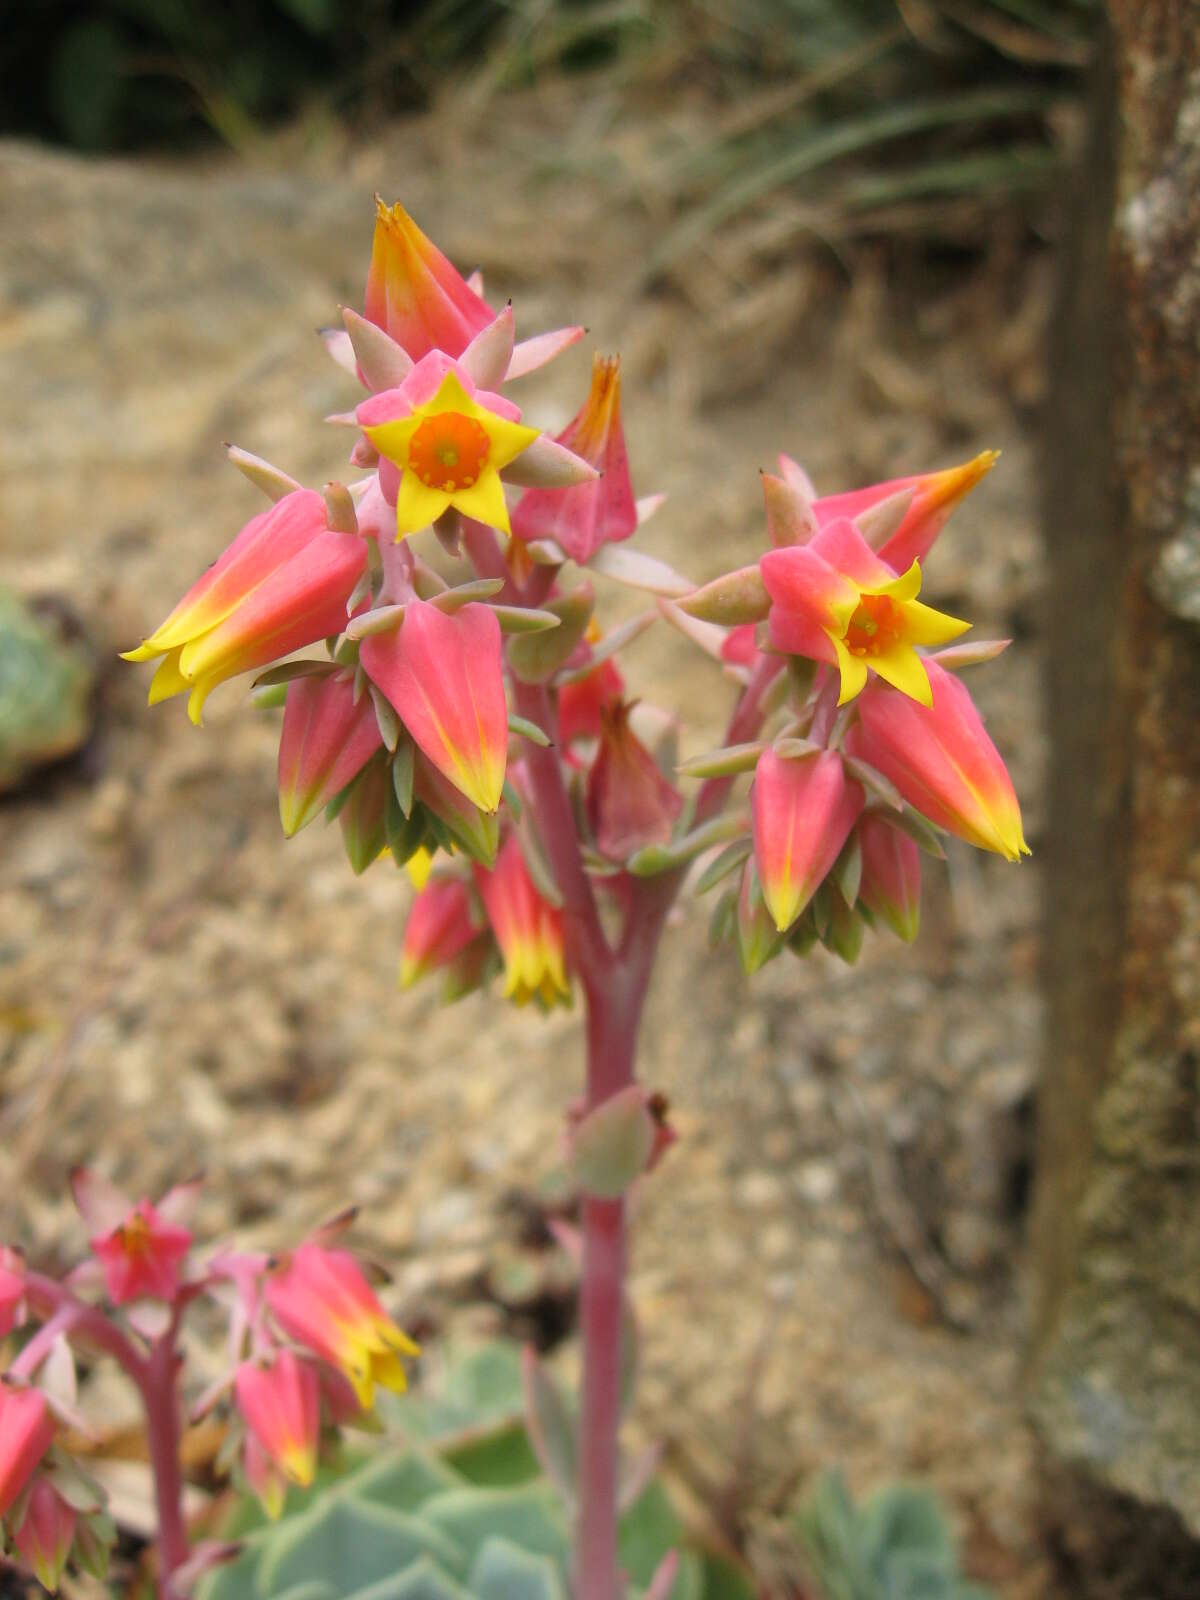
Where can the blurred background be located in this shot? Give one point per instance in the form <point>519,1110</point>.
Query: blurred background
<point>828,227</point>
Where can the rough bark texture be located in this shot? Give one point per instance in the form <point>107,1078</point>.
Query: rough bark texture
<point>1117,1223</point>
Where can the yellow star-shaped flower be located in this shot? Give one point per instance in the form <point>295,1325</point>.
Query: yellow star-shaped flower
<point>879,630</point>
<point>451,450</point>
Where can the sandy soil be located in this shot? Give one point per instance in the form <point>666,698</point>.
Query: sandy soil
<point>830,1267</point>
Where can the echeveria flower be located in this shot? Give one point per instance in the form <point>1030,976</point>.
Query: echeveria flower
<point>282,584</point>
<point>942,761</point>
<point>833,599</point>
<point>321,1299</point>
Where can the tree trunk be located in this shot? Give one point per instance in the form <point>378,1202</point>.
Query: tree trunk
<point>1116,1366</point>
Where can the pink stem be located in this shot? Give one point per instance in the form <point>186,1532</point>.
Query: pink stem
<point>164,1432</point>
<point>614,1011</point>
<point>587,947</point>
<point>154,1377</point>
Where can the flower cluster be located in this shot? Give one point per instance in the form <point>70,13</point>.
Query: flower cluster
<point>878,746</point>
<point>308,1343</point>
<point>453,665</point>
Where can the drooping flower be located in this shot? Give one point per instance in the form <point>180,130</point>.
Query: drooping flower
<point>441,925</point>
<point>934,497</point>
<point>325,741</point>
<point>804,808</point>
<point>413,292</point>
<point>890,885</point>
<point>321,1299</point>
<point>835,600</point>
<point>528,929</point>
<point>142,1255</point>
<point>282,584</point>
<point>443,674</point>
<point>26,1433</point>
<point>450,441</point>
<point>942,761</point>
<point>583,518</point>
<point>46,1533</point>
<point>282,1407</point>
<point>629,802</point>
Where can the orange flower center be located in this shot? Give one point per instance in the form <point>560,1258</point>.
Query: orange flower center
<point>135,1235</point>
<point>877,625</point>
<point>448,451</point>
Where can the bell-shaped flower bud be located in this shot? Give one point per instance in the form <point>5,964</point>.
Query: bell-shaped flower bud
<point>281,1404</point>
<point>321,1299</point>
<point>804,808</point>
<point>282,584</point>
<point>934,497</point>
<point>629,802</point>
<point>326,740</point>
<point>47,1531</point>
<point>890,886</point>
<point>441,925</point>
<point>443,674</point>
<point>942,761</point>
<point>528,929</point>
<point>26,1433</point>
<point>583,518</point>
<point>413,292</point>
<point>142,1256</point>
<point>835,600</point>
<point>12,1290</point>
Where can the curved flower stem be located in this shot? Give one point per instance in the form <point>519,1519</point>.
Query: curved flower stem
<point>154,1377</point>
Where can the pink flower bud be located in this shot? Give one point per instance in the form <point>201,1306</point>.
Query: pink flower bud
<point>26,1432</point>
<point>142,1255</point>
<point>282,584</point>
<point>321,1298</point>
<point>804,809</point>
<point>444,676</point>
<point>942,761</point>
<point>440,927</point>
<point>629,802</point>
<point>326,740</point>
<point>528,930</point>
<point>46,1534</point>
<point>282,1407</point>
<point>413,292</point>
<point>583,518</point>
<point>891,874</point>
<point>935,495</point>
